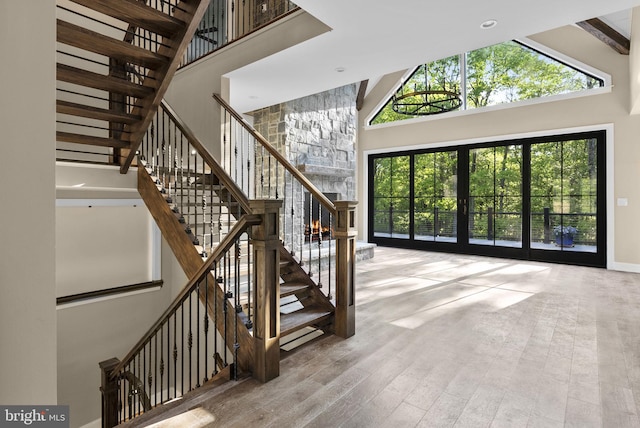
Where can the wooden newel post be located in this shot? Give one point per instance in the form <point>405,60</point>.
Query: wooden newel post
<point>266,268</point>
<point>109,390</point>
<point>345,234</point>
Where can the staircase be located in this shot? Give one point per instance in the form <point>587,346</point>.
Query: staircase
<point>236,226</point>
<point>116,59</point>
<point>205,203</point>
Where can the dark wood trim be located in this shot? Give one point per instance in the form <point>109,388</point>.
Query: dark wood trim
<point>91,41</point>
<point>326,203</point>
<point>362,90</point>
<point>598,28</point>
<point>136,13</point>
<point>81,110</point>
<point>77,76</point>
<point>69,137</point>
<point>90,295</point>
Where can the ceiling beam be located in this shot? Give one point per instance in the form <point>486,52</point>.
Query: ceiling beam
<point>606,34</point>
<point>362,90</point>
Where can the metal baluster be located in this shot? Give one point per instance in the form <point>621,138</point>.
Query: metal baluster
<point>226,304</point>
<point>186,208</point>
<point>236,279</point>
<point>175,354</point>
<point>236,345</point>
<point>144,370</point>
<point>190,342</point>
<point>255,169</point>
<point>249,324</point>
<point>182,347</point>
<point>262,172</point>
<point>161,363</point>
<point>150,376</point>
<point>206,327</point>
<point>195,197</point>
<point>269,178</point>
<point>204,209</point>
<point>155,370</point>
<point>310,232</point>
<point>122,388</point>
<point>301,226</point>
<point>198,335</point>
<point>331,238</point>
<point>293,217</point>
<point>319,242</point>
<point>215,317</point>
<point>182,219</point>
<point>211,222</point>
<point>129,396</point>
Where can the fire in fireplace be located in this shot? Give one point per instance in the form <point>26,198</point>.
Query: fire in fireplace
<point>317,221</point>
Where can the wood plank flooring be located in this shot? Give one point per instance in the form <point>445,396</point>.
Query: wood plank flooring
<point>461,341</point>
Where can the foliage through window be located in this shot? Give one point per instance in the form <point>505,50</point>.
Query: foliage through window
<point>498,74</point>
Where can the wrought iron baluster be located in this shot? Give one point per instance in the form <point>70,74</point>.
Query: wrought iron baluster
<point>198,335</point>
<point>161,385</point>
<point>155,370</point>
<point>190,343</point>
<point>206,327</point>
<point>319,242</point>
<point>175,354</point>
<point>331,240</point>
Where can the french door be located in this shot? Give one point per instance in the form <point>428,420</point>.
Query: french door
<point>536,199</point>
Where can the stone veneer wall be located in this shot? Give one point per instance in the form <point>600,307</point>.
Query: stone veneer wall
<point>318,135</point>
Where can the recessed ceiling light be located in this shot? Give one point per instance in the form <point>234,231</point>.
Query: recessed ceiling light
<point>489,23</point>
<point>340,69</point>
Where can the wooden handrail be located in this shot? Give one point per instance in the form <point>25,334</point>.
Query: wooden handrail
<point>222,175</point>
<point>235,232</point>
<point>279,157</point>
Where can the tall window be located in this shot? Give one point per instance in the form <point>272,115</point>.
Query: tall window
<point>503,73</point>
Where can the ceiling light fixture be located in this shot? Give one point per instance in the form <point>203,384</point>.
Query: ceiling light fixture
<point>489,23</point>
<point>340,69</point>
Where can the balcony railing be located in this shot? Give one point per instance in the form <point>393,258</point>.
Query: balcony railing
<point>229,20</point>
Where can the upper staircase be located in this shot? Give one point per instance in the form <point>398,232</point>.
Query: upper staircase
<point>115,60</point>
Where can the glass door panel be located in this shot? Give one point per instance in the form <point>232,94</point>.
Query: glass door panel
<point>391,197</point>
<point>435,196</point>
<point>495,196</point>
<point>564,195</point>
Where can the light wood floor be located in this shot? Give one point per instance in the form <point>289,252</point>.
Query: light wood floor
<point>452,340</point>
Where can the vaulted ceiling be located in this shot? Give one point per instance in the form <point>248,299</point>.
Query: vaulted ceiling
<point>370,38</point>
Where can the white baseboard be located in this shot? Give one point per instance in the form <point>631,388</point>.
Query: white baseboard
<point>624,267</point>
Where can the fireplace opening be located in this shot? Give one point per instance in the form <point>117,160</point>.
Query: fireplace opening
<point>317,221</point>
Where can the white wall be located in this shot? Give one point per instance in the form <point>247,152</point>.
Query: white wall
<point>607,108</point>
<point>27,259</point>
<point>94,332</point>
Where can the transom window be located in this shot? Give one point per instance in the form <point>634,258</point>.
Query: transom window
<point>499,74</point>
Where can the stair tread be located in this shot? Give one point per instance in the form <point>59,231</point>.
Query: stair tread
<point>77,76</point>
<point>70,137</point>
<point>74,109</point>
<point>83,38</point>
<point>289,288</point>
<point>302,318</point>
<point>137,14</point>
